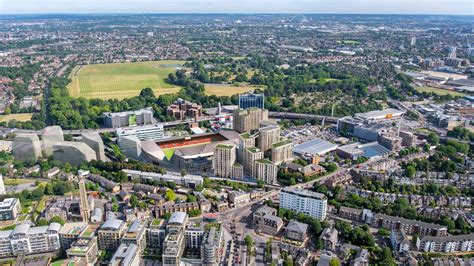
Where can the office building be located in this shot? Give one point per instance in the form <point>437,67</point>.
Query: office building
<point>282,151</point>
<point>224,159</point>
<point>94,141</point>
<point>110,234</point>
<point>212,247</point>
<point>152,132</point>
<point>251,100</point>
<point>304,201</point>
<point>249,119</point>
<point>268,136</point>
<point>27,240</point>
<point>84,251</point>
<point>9,209</point>
<point>84,202</point>
<point>26,147</point>
<point>126,255</point>
<point>130,118</point>
<point>266,171</point>
<point>250,155</point>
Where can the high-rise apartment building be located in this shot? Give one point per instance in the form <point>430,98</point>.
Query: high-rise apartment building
<point>250,156</point>
<point>304,201</point>
<point>266,171</point>
<point>282,151</point>
<point>250,100</point>
<point>249,119</point>
<point>224,159</point>
<point>268,136</point>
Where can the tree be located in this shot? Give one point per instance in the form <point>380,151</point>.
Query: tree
<point>184,173</point>
<point>115,207</point>
<point>170,195</point>
<point>42,222</point>
<point>191,198</point>
<point>334,262</point>
<point>57,219</point>
<point>410,171</point>
<point>387,257</point>
<point>432,138</point>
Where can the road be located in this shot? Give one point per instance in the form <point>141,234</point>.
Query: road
<point>238,221</point>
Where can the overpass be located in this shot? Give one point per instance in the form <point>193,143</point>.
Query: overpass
<point>287,115</point>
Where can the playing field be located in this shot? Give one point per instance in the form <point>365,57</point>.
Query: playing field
<point>439,91</point>
<point>227,89</point>
<point>19,117</point>
<point>118,81</point>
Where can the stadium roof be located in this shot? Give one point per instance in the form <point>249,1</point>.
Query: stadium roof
<point>315,147</point>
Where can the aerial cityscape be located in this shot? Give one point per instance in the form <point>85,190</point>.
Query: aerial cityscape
<point>236,138</point>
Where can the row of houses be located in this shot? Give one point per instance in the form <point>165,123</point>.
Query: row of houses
<point>379,220</point>
<point>415,200</point>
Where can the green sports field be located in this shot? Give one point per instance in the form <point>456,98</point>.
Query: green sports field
<point>122,80</point>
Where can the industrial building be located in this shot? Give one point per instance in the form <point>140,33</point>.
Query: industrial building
<point>315,147</point>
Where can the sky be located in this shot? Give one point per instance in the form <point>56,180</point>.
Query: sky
<point>451,7</point>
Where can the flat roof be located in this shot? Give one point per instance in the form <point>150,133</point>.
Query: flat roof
<point>315,147</point>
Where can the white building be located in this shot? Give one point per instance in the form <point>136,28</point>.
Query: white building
<point>9,209</point>
<point>25,239</point>
<point>153,132</point>
<point>2,186</point>
<point>304,201</point>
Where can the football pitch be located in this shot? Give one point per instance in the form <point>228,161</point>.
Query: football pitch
<point>122,80</point>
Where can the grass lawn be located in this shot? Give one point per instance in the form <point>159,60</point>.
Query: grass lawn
<point>118,81</point>
<point>168,153</point>
<point>227,89</point>
<point>19,117</point>
<point>16,182</point>
<point>439,91</point>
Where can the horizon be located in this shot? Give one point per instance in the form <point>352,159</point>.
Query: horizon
<point>363,7</point>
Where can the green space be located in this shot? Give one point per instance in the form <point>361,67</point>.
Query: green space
<point>122,80</point>
<point>169,153</point>
<point>228,89</point>
<point>439,91</point>
<point>16,182</point>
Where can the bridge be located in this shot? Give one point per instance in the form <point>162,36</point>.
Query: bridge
<point>287,115</point>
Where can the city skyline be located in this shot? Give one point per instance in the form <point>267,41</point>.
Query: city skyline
<point>441,7</point>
